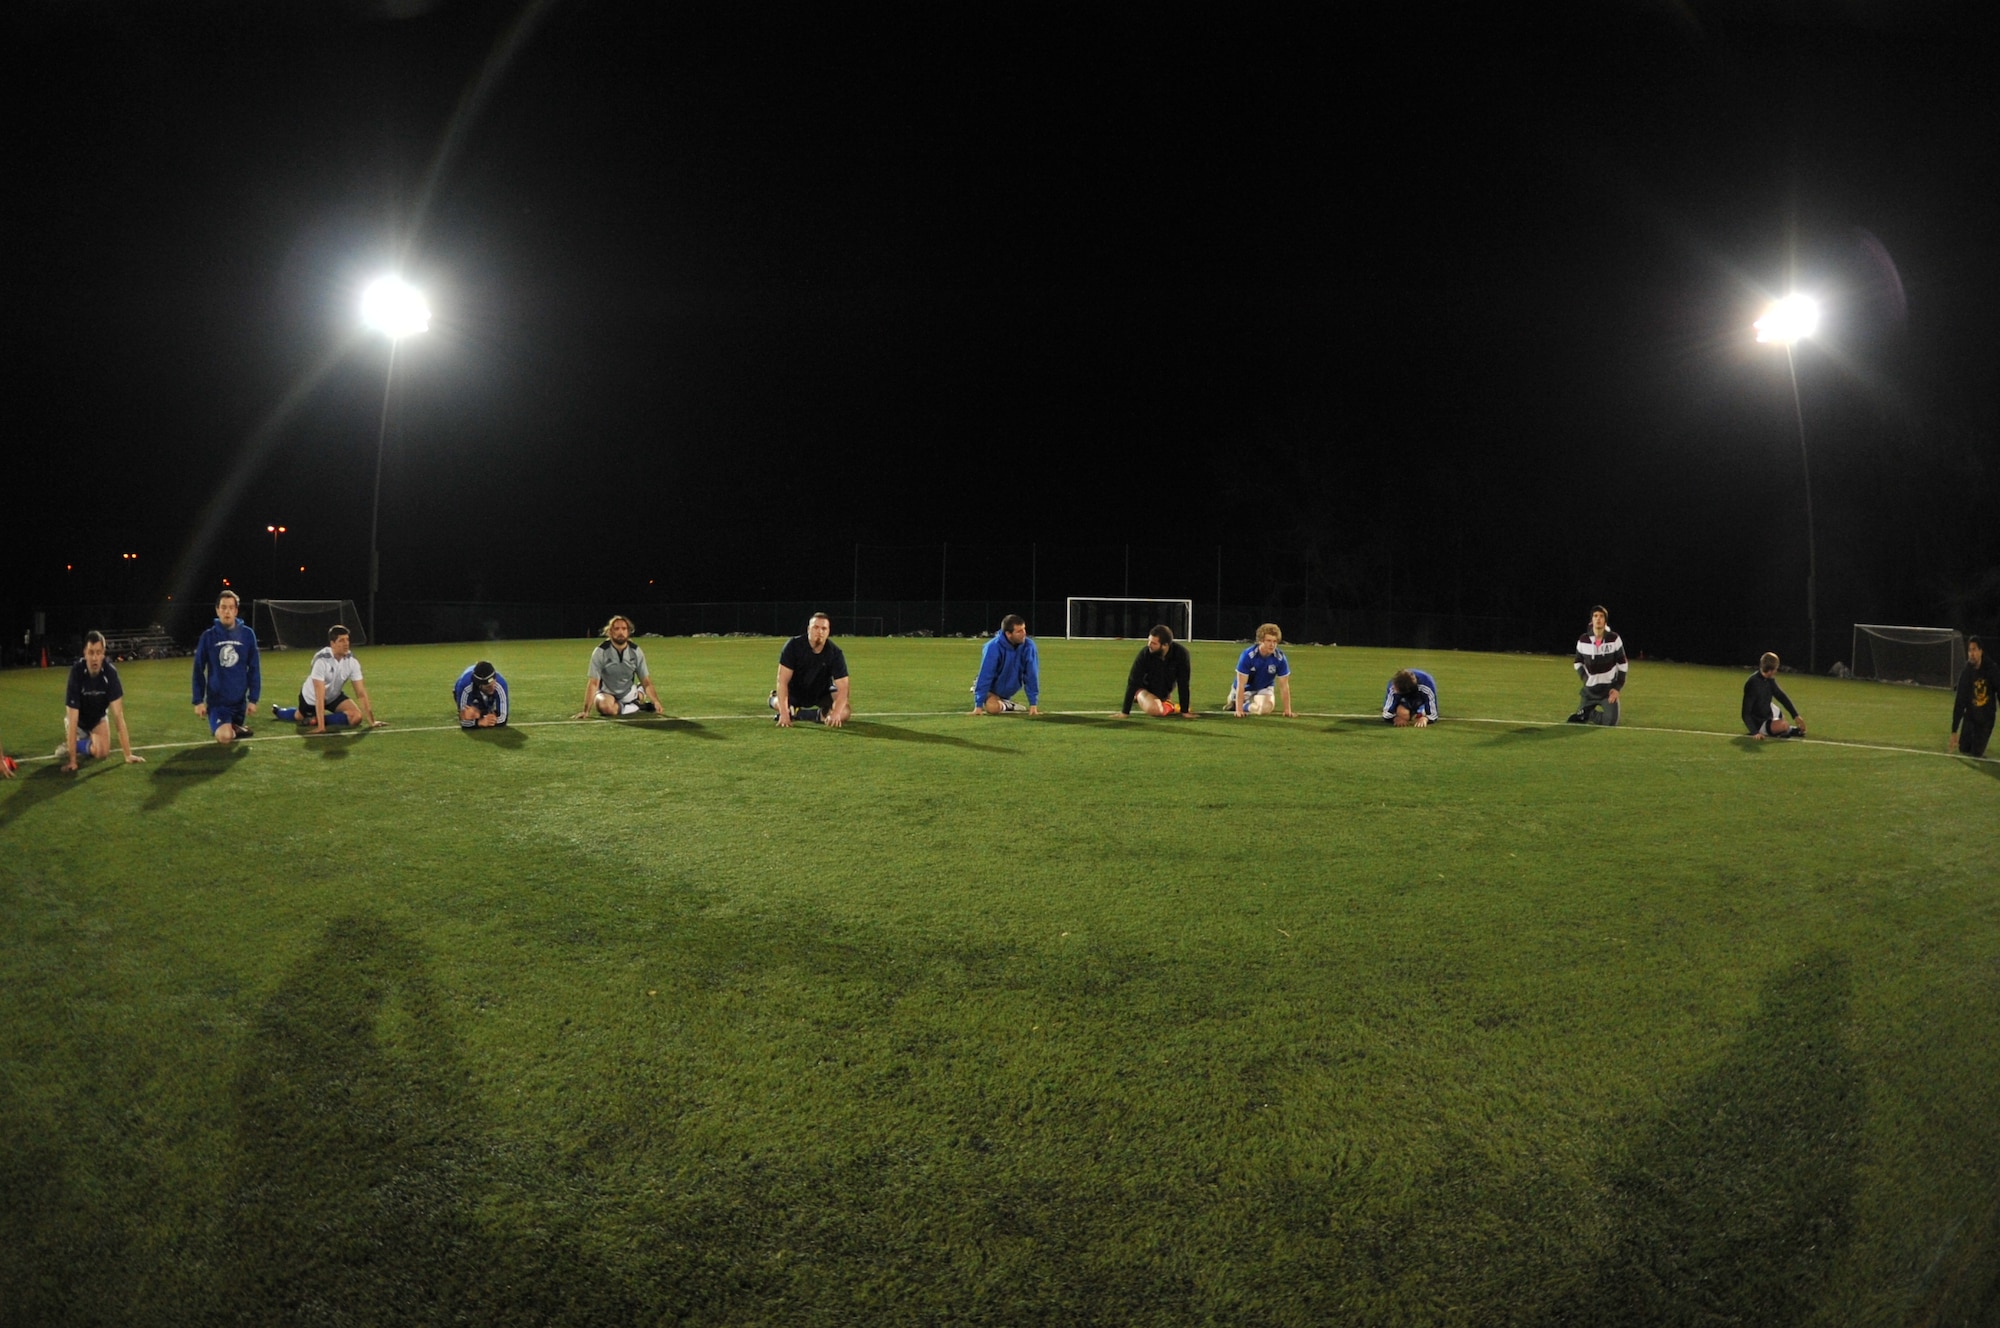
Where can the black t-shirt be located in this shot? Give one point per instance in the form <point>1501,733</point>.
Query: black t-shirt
<point>813,676</point>
<point>1758,694</point>
<point>91,694</point>
<point>1160,674</point>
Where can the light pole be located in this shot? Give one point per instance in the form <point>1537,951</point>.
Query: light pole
<point>1786,322</point>
<point>396,309</point>
<point>275,532</point>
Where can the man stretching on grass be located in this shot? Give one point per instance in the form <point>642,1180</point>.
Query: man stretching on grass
<point>481,694</point>
<point>1263,675</point>
<point>227,678</point>
<point>1009,664</point>
<point>1161,667</point>
<point>1975,702</point>
<point>94,692</point>
<point>812,678</point>
<point>619,683</point>
<point>1761,698</point>
<point>1411,702</point>
<point>323,702</point>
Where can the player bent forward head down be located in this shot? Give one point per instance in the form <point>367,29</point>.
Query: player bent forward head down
<point>812,678</point>
<point>1411,701</point>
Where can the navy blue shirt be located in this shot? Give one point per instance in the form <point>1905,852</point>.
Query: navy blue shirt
<point>813,676</point>
<point>91,694</point>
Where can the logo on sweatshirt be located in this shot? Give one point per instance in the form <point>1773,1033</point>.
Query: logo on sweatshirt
<point>229,655</point>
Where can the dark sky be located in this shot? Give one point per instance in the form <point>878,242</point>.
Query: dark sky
<point>1402,309</point>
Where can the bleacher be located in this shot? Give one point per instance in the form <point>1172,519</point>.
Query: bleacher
<point>150,642</point>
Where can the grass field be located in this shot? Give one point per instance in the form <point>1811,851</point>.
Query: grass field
<point>955,1020</point>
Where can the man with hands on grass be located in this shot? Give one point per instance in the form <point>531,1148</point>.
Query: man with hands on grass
<point>1162,665</point>
<point>812,678</point>
<point>323,702</point>
<point>94,692</point>
<point>1263,676</point>
<point>1009,664</point>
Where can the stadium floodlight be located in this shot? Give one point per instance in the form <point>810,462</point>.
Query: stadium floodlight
<point>1787,322</point>
<point>396,309</point>
<point>1791,319</point>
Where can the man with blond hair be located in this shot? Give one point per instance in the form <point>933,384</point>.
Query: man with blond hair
<point>1263,676</point>
<point>619,683</point>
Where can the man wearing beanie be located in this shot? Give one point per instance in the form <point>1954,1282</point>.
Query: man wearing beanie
<point>481,693</point>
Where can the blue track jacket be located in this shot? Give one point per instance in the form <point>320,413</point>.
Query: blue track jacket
<point>1006,668</point>
<point>225,666</point>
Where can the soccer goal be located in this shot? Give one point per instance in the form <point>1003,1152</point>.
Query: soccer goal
<point>1925,656</point>
<point>288,624</point>
<point>1111,617</point>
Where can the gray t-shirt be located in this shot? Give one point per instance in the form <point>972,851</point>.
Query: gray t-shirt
<point>616,672</point>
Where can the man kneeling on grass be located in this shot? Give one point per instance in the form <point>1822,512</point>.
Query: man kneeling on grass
<point>1761,698</point>
<point>812,678</point>
<point>1160,668</point>
<point>1412,700</point>
<point>1009,664</point>
<point>323,702</point>
<point>481,694</point>
<point>1263,675</point>
<point>94,692</point>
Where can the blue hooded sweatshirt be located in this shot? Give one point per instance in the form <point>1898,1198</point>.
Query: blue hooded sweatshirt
<point>1006,668</point>
<point>226,671</point>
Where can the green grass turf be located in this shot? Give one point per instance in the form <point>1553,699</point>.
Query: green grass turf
<point>943,1019</point>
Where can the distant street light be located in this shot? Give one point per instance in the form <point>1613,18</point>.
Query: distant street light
<point>1785,322</point>
<point>275,532</point>
<point>396,309</point>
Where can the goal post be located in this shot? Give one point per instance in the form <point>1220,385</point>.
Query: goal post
<point>301,624</point>
<point>1924,656</point>
<point>1122,617</point>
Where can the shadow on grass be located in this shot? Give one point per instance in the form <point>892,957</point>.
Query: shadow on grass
<point>335,744</point>
<point>26,791</point>
<point>1073,719</point>
<point>185,769</point>
<point>1739,1201</point>
<point>365,1192</point>
<point>686,727</point>
<point>498,736</point>
<point>1536,731</point>
<point>869,728</point>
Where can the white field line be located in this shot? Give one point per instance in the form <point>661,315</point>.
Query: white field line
<point>346,732</point>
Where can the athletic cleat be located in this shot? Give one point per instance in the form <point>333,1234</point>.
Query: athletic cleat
<point>1008,707</point>
<point>242,732</point>
<point>1580,717</point>
<point>1170,708</point>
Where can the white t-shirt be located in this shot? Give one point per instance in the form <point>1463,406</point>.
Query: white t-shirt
<point>335,673</point>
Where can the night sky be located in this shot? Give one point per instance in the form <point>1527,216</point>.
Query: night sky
<point>1403,310</point>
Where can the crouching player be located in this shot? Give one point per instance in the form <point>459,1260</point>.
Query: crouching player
<point>481,693</point>
<point>94,692</point>
<point>1263,676</point>
<point>1412,700</point>
<point>1160,669</point>
<point>812,679</point>
<point>1761,698</point>
<point>323,702</point>
<point>1009,664</point>
<point>227,677</point>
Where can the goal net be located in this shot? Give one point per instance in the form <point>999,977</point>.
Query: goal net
<point>1925,656</point>
<point>1114,616</point>
<point>300,624</point>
